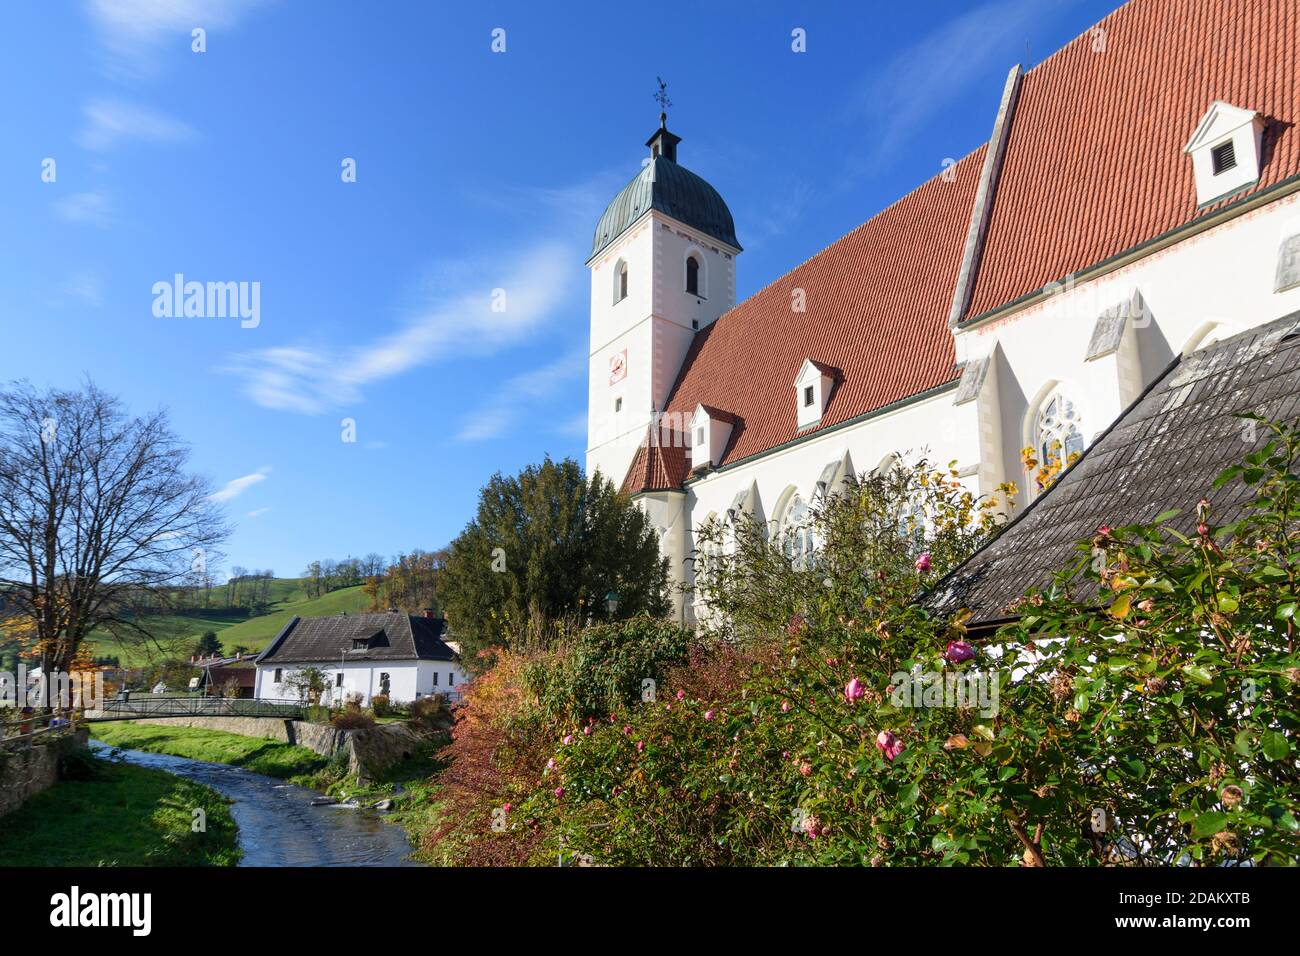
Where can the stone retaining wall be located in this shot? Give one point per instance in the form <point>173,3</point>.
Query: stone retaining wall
<point>369,751</point>
<point>26,771</point>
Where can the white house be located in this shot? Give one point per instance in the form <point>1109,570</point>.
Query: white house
<point>1138,199</point>
<point>401,655</point>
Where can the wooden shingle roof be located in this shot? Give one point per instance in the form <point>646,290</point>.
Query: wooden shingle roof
<point>1164,452</point>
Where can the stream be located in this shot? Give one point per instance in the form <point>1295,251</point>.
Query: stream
<point>278,826</point>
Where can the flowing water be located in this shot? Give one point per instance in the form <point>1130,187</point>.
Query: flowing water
<point>278,826</point>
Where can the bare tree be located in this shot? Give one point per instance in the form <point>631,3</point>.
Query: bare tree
<point>98,515</point>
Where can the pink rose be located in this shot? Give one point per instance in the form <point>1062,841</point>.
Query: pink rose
<point>854,690</point>
<point>923,562</point>
<point>640,746</point>
<point>889,745</point>
<point>627,728</point>
<point>785,707</point>
<point>958,651</point>
<point>550,764</point>
<point>812,827</point>
<point>559,793</point>
<point>505,808</point>
<point>568,738</point>
<point>805,768</point>
<point>587,730</point>
<point>681,695</point>
<point>708,715</point>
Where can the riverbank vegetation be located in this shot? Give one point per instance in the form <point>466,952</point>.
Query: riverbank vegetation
<point>113,814</point>
<point>262,755</point>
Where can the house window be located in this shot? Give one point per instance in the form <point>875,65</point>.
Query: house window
<point>435,678</point>
<point>618,405</point>
<point>807,396</point>
<point>692,275</point>
<point>279,674</point>
<point>620,282</point>
<point>338,679</point>
<point>699,435</point>
<point>360,644</point>
<point>1223,157</point>
<point>451,680</point>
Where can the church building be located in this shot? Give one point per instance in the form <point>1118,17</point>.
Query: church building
<point>1138,199</point>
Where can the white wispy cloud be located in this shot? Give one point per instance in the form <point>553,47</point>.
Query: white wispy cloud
<point>92,207</point>
<point>237,486</point>
<point>901,96</point>
<point>135,32</point>
<point>258,512</point>
<point>464,320</point>
<point>109,121</point>
<point>518,400</point>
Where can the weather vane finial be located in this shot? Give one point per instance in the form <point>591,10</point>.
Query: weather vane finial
<point>661,97</point>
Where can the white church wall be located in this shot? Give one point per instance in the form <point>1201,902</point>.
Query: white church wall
<point>931,426</point>
<point>1222,278</point>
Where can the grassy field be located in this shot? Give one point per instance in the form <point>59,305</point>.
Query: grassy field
<point>233,628</point>
<point>258,754</point>
<point>120,816</point>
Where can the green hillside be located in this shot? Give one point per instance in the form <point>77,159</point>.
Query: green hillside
<point>233,627</point>
<point>257,632</point>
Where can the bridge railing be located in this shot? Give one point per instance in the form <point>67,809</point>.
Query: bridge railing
<point>156,705</point>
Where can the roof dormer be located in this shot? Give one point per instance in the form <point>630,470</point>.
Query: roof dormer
<point>1225,151</point>
<point>812,389</point>
<point>710,432</point>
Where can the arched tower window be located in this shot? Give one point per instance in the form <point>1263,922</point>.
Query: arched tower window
<point>620,282</point>
<point>1057,437</point>
<point>692,275</point>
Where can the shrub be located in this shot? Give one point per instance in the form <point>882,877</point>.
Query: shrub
<point>1154,727</point>
<point>380,705</point>
<point>352,717</point>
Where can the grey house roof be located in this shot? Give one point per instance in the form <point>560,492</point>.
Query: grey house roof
<point>1164,452</point>
<point>675,191</point>
<point>389,636</point>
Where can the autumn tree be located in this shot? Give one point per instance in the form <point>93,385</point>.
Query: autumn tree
<point>98,516</point>
<point>548,545</point>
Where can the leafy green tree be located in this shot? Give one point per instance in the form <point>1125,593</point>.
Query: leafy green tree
<point>548,545</point>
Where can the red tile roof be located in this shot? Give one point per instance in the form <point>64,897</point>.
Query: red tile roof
<point>657,465</point>
<point>1095,163</point>
<point>877,308</point>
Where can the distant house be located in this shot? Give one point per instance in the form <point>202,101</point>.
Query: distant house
<point>216,680</point>
<point>402,655</point>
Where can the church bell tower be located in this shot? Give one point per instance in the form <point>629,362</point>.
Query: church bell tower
<point>663,268</point>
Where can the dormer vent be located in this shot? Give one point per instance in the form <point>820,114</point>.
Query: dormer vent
<point>1225,151</point>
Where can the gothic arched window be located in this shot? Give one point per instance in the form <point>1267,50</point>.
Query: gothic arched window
<point>795,531</point>
<point>692,275</point>
<point>620,282</point>
<point>1058,436</point>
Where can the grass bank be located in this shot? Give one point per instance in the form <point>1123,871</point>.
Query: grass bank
<point>119,815</point>
<point>258,754</point>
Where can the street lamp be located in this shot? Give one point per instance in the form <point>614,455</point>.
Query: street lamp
<point>611,603</point>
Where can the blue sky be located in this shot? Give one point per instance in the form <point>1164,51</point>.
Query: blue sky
<point>474,171</point>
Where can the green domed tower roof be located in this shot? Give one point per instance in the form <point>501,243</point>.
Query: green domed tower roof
<point>672,189</point>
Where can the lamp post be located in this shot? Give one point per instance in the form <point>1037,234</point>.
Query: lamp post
<point>611,603</point>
